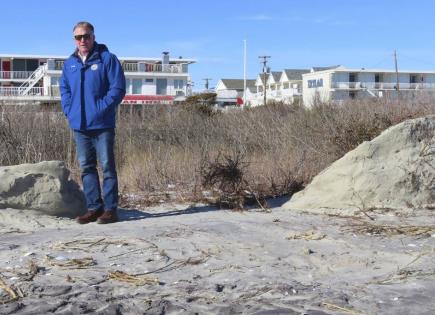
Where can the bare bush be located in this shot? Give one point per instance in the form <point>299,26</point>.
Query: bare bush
<point>161,148</point>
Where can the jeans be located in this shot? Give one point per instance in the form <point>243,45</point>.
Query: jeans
<point>91,144</point>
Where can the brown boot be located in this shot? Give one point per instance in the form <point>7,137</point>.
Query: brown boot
<point>109,216</point>
<point>90,216</point>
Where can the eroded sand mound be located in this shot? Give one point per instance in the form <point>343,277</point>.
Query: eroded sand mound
<point>395,170</point>
<point>44,187</point>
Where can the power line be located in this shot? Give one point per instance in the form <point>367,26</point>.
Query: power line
<point>387,58</point>
<point>425,62</point>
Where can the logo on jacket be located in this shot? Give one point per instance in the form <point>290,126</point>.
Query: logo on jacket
<point>94,67</point>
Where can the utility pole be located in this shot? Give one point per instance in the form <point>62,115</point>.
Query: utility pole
<point>397,74</point>
<point>206,82</point>
<point>264,62</point>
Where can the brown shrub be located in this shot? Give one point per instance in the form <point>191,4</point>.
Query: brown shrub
<point>161,148</point>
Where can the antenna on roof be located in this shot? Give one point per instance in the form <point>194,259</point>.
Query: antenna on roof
<point>265,68</point>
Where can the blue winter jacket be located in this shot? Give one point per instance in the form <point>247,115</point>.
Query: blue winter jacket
<point>90,92</point>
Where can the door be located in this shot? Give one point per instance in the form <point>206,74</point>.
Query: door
<point>6,68</point>
<point>161,86</point>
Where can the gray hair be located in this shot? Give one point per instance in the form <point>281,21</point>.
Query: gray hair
<point>84,24</point>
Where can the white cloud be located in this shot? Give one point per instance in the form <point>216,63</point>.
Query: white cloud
<point>258,17</point>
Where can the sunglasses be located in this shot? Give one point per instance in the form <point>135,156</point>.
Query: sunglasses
<point>84,36</point>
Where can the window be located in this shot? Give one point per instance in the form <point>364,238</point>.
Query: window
<point>178,84</point>
<point>137,86</point>
<point>352,94</point>
<point>285,86</point>
<point>55,81</point>
<point>149,80</point>
<point>352,77</point>
<point>127,85</point>
<point>413,78</point>
<point>315,83</point>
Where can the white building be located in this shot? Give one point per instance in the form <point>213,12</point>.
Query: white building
<point>35,78</point>
<point>273,86</point>
<point>234,88</point>
<point>291,85</point>
<point>339,83</point>
<point>259,83</point>
<point>281,86</point>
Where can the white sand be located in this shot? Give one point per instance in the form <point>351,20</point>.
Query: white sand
<point>211,261</point>
<point>395,170</point>
<point>202,260</point>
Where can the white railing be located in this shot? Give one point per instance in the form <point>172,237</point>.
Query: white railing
<point>149,67</point>
<point>33,79</point>
<point>130,66</point>
<point>58,64</point>
<point>382,85</point>
<point>15,75</point>
<point>31,92</point>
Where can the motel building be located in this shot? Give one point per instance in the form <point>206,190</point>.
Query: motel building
<point>338,83</point>
<point>281,86</point>
<point>34,79</point>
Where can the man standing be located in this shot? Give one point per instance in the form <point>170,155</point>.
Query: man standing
<point>92,86</point>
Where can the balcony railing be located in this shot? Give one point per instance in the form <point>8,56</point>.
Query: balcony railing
<point>34,91</point>
<point>130,67</point>
<point>148,67</point>
<point>15,75</point>
<point>381,85</point>
<point>58,65</point>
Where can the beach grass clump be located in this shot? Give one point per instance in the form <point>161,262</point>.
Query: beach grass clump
<point>160,149</point>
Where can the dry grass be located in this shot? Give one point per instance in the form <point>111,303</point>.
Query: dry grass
<point>138,280</point>
<point>73,263</point>
<point>12,292</point>
<point>161,148</point>
<point>390,230</point>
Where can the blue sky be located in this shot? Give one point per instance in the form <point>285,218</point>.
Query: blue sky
<point>296,34</point>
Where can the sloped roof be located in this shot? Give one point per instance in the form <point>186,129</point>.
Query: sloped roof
<point>237,84</point>
<point>261,77</point>
<point>295,74</point>
<point>276,75</point>
<point>315,69</point>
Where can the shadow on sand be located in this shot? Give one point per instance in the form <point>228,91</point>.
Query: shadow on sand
<point>135,214</point>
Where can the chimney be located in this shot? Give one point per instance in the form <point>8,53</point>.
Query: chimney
<point>165,58</point>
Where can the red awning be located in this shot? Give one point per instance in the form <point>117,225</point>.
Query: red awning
<point>148,98</point>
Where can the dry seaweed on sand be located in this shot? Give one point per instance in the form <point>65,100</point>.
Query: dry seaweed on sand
<point>34,269</point>
<point>144,278</point>
<point>138,279</point>
<point>73,263</point>
<point>390,230</point>
<point>89,244</point>
<point>13,293</point>
<point>85,244</point>
<point>307,235</point>
<point>341,309</point>
<point>404,274</point>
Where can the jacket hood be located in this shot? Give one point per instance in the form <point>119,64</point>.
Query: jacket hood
<point>98,48</point>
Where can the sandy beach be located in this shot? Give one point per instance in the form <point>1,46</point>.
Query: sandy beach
<point>198,259</point>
